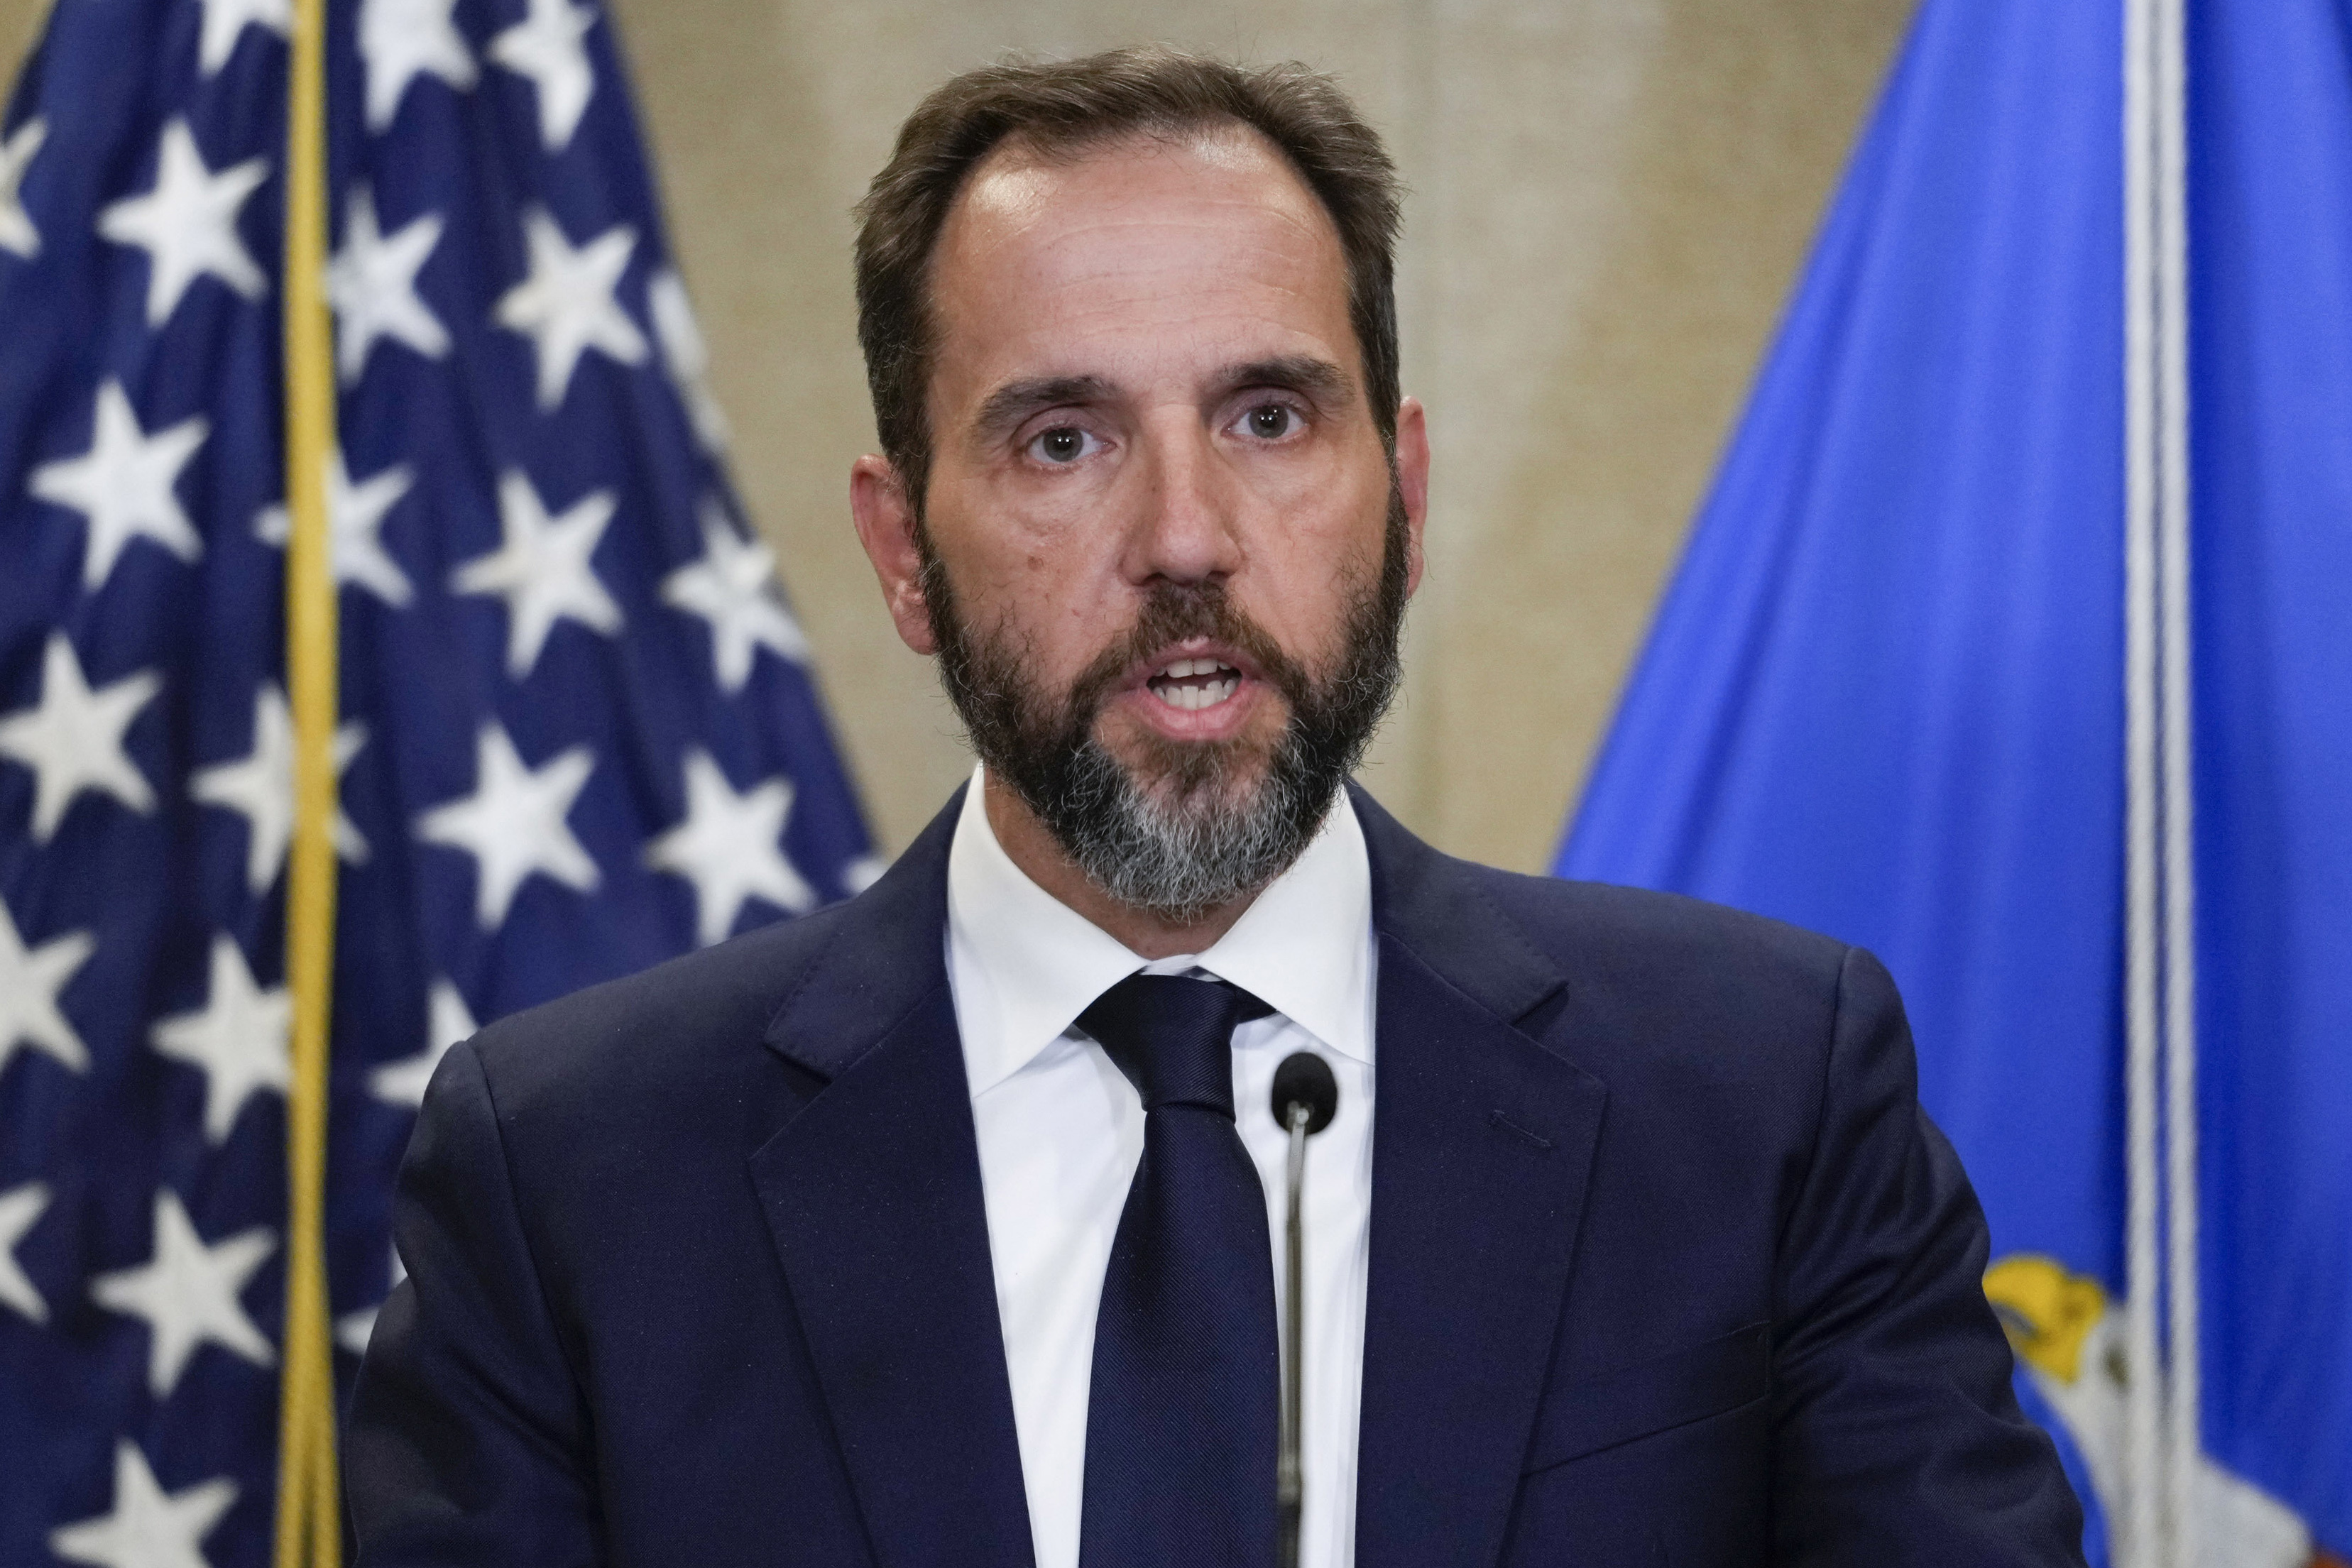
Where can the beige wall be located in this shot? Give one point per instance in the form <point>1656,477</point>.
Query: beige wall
<point>1610,199</point>
<point>19,21</point>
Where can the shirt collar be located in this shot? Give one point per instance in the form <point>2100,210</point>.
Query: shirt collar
<point>1303,947</point>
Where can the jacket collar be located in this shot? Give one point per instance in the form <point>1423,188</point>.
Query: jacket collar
<point>1482,1145</point>
<point>1434,905</point>
<point>884,953</point>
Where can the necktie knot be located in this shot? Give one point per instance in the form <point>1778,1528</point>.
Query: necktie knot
<point>1173,1037</point>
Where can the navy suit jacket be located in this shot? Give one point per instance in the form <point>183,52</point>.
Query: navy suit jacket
<point>1667,1267</point>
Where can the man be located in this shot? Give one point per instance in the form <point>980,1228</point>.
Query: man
<point>934,1228</point>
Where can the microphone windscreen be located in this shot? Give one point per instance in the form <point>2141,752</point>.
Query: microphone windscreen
<point>1304,1078</point>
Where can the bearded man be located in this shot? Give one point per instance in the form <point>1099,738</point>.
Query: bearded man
<point>934,1228</point>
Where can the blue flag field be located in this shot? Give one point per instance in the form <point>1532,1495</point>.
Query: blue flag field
<point>577,731</point>
<point>1890,695</point>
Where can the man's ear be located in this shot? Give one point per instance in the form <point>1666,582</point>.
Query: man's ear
<point>886,527</point>
<point>1412,480</point>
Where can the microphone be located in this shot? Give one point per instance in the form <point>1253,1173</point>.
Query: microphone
<point>1306,1098</point>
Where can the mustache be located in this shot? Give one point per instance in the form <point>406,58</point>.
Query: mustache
<point>1176,613</point>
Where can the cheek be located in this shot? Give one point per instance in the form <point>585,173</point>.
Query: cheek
<point>1312,560</point>
<point>1334,498</point>
<point>1001,559</point>
<point>1041,596</point>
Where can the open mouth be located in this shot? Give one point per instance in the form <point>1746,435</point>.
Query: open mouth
<point>1191,685</point>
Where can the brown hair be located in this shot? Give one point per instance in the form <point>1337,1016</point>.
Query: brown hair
<point>1063,107</point>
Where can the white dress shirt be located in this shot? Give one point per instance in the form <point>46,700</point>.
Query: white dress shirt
<point>1061,1134</point>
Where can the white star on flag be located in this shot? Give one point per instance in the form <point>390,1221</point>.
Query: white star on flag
<point>187,224</point>
<point>20,1210</point>
<point>16,231</point>
<point>448,1020</point>
<point>545,45</point>
<point>686,356</point>
<point>187,1293</point>
<point>372,282</point>
<point>513,823</point>
<point>29,983</point>
<point>148,1528</point>
<point>730,847</point>
<point>122,484</point>
<point>261,784</point>
<point>566,306</point>
<point>543,568</point>
<point>355,515</point>
<point>73,740</point>
<point>225,21</point>
<point>354,1329</point>
<point>402,39</point>
<point>237,1038</point>
<point>733,588</point>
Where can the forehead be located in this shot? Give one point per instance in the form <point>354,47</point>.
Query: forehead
<point>1142,241</point>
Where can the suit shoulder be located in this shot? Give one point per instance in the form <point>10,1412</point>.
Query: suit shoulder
<point>659,1026</point>
<point>1634,951</point>
<point>1582,915</point>
<point>1712,1029</point>
<point>1649,960</point>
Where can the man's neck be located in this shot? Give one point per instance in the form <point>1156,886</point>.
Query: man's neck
<point>1032,847</point>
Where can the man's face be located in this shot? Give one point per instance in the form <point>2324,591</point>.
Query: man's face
<point>1160,526</point>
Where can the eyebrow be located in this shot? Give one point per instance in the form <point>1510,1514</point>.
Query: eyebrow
<point>1302,373</point>
<point>1013,401</point>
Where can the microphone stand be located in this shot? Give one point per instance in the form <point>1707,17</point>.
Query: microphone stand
<point>1289,1488</point>
<point>1306,1098</point>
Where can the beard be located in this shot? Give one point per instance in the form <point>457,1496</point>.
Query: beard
<point>1193,825</point>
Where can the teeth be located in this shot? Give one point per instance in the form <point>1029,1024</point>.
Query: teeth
<point>1193,698</point>
<point>1183,667</point>
<point>1172,683</point>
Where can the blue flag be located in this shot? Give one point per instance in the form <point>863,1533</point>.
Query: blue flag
<point>1885,696</point>
<point>2270,173</point>
<point>578,733</point>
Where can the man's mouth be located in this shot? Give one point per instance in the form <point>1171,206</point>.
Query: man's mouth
<point>1191,685</point>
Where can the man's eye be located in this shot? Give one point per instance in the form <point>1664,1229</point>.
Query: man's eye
<point>1063,444</point>
<point>1271,421</point>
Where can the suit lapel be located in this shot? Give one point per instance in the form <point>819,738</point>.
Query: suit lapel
<point>872,1195</point>
<point>1482,1145</point>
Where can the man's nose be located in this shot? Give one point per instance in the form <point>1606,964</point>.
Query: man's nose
<point>1185,530</point>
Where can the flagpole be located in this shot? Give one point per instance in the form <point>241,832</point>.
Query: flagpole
<point>2184,1440</point>
<point>308,1518</point>
<point>2142,1274</point>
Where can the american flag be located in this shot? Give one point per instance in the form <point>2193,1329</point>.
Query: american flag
<point>578,732</point>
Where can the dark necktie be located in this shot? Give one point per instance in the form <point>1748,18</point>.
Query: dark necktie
<point>1181,1421</point>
